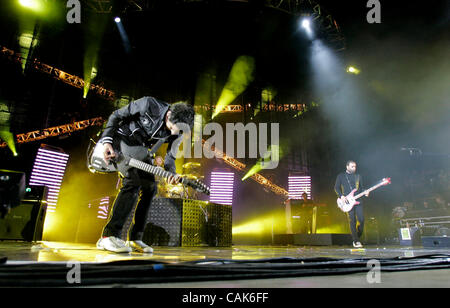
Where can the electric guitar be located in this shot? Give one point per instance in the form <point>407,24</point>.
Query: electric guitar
<point>128,157</point>
<point>346,206</point>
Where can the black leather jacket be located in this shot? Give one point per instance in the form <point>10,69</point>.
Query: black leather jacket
<point>142,122</point>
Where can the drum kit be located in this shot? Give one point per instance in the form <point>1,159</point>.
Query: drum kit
<point>192,171</point>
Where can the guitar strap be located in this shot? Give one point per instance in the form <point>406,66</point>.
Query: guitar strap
<point>356,182</point>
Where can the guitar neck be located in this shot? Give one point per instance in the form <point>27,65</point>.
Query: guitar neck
<point>368,190</point>
<point>150,168</point>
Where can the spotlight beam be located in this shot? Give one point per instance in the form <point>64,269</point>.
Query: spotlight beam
<point>123,35</point>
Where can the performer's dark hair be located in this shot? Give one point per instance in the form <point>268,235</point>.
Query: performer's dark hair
<point>182,113</point>
<point>349,162</point>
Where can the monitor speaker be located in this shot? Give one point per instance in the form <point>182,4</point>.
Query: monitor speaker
<point>26,221</point>
<point>12,190</point>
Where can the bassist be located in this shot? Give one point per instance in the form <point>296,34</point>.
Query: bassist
<point>345,183</point>
<point>143,122</point>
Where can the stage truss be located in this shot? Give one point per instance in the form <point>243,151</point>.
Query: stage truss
<point>234,163</point>
<point>65,77</point>
<point>56,131</point>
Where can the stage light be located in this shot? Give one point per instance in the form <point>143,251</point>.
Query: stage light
<point>31,4</point>
<point>222,187</point>
<point>306,25</point>
<point>353,70</point>
<point>123,35</point>
<point>34,5</point>
<point>298,185</point>
<point>49,168</point>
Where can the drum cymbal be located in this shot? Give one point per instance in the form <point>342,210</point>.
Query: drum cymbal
<point>192,176</point>
<point>191,165</point>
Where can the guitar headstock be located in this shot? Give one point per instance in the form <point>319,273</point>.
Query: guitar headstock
<point>386,181</point>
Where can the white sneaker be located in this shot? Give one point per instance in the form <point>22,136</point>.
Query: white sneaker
<point>357,245</point>
<point>113,244</point>
<point>139,246</point>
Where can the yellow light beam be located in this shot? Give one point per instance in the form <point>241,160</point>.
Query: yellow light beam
<point>272,155</point>
<point>260,225</point>
<point>240,77</point>
<point>8,137</point>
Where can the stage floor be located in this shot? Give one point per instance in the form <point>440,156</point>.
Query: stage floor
<point>51,253</point>
<point>84,253</point>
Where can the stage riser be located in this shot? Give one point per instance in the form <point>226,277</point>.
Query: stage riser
<point>410,236</point>
<point>436,241</point>
<point>182,222</point>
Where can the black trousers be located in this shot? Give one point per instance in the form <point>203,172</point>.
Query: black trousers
<point>137,192</point>
<point>356,221</point>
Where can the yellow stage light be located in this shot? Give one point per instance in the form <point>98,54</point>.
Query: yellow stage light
<point>35,5</point>
<point>353,70</point>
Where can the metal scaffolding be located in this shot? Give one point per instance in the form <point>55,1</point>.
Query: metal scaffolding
<point>234,163</point>
<point>56,131</point>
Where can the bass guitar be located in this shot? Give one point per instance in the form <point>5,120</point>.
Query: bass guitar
<point>349,202</point>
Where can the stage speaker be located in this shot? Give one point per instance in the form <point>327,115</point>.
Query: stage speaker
<point>183,222</point>
<point>12,190</point>
<point>436,241</point>
<point>301,217</point>
<point>410,236</point>
<point>310,217</point>
<point>26,221</point>
<point>371,235</point>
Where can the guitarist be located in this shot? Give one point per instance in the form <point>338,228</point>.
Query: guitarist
<point>345,183</point>
<point>143,122</point>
